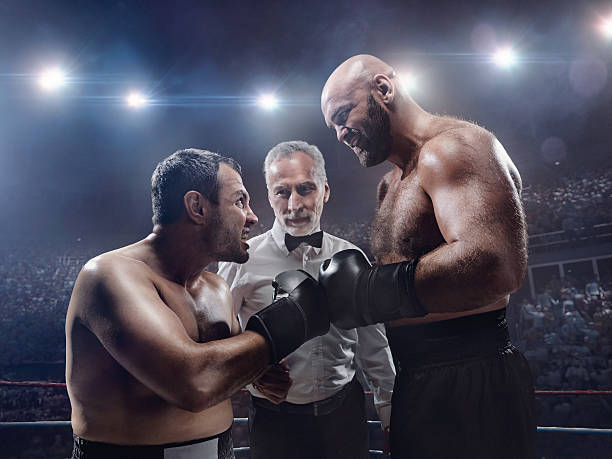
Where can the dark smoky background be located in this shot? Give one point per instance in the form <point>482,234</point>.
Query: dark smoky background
<point>76,163</point>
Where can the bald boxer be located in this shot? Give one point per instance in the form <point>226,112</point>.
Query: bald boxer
<point>153,350</point>
<point>450,246</point>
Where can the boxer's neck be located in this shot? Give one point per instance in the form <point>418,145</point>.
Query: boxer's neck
<point>410,128</point>
<point>179,255</point>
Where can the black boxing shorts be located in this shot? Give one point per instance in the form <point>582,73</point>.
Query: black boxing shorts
<point>462,390</point>
<point>216,447</point>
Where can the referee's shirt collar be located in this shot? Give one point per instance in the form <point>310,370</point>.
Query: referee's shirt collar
<point>278,234</point>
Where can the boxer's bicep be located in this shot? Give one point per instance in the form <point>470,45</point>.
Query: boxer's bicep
<point>464,195</point>
<point>477,210</point>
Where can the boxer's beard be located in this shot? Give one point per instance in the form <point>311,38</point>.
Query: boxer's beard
<point>377,133</point>
<point>225,241</point>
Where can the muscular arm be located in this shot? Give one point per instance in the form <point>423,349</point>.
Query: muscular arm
<point>475,193</point>
<point>120,304</point>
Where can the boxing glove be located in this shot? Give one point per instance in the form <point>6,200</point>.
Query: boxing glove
<point>359,294</point>
<point>298,314</point>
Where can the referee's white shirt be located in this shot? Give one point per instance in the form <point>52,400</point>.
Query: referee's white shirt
<point>322,366</point>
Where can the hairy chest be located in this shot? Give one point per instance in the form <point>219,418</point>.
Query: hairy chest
<point>405,225</point>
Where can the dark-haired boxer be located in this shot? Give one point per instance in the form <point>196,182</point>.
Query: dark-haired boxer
<point>152,345</point>
<point>450,244</point>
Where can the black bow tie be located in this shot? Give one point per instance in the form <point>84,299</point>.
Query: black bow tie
<point>314,239</point>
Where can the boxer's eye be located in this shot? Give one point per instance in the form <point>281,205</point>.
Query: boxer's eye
<point>342,117</point>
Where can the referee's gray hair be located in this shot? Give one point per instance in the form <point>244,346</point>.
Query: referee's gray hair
<point>287,149</point>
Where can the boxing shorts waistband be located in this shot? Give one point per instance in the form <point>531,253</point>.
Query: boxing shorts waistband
<point>319,408</point>
<point>468,337</point>
<point>216,446</point>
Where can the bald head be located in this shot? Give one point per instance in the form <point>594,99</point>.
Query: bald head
<point>356,102</point>
<point>356,72</point>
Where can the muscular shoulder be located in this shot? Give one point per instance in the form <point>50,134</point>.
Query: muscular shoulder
<point>102,280</point>
<point>456,152</point>
<point>108,268</point>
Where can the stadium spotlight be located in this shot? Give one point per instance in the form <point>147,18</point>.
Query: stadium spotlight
<point>268,101</point>
<point>52,79</point>
<point>505,58</point>
<point>409,81</point>
<point>606,28</point>
<point>136,100</point>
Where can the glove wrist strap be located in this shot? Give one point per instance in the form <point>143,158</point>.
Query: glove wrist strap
<point>391,293</point>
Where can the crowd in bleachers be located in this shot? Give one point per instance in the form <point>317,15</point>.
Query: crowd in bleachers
<point>35,287</point>
<point>572,203</point>
<point>566,334</point>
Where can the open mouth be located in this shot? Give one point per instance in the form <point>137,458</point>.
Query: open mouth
<point>244,236</point>
<point>352,138</point>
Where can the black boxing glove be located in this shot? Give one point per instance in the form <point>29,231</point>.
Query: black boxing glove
<point>292,320</point>
<point>359,294</point>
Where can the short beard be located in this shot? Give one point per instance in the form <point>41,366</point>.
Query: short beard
<point>221,243</point>
<point>377,132</point>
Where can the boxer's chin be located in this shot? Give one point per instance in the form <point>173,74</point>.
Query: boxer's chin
<point>240,258</point>
<point>235,254</point>
<point>368,159</point>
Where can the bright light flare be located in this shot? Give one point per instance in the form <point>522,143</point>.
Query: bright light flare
<point>409,82</point>
<point>606,28</point>
<point>136,100</point>
<point>52,79</point>
<point>268,101</point>
<point>505,58</point>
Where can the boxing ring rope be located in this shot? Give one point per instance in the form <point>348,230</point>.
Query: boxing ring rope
<point>555,392</point>
<point>544,429</point>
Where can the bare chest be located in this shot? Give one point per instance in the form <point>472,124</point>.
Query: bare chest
<point>204,313</point>
<point>405,224</point>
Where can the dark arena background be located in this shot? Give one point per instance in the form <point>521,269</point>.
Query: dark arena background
<point>94,94</point>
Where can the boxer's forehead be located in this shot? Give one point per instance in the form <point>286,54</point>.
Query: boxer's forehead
<point>331,96</point>
<point>339,95</point>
